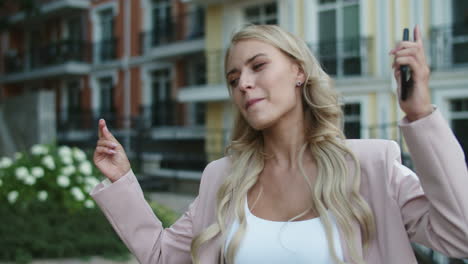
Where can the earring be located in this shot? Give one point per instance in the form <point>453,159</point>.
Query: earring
<point>299,83</point>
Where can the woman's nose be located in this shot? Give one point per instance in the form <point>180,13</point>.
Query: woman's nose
<point>245,82</point>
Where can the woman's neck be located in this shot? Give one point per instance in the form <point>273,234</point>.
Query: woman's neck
<point>283,142</point>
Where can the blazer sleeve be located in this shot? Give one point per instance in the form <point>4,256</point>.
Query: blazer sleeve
<point>123,204</point>
<point>436,214</point>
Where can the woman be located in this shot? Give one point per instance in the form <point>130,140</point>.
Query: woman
<point>292,189</point>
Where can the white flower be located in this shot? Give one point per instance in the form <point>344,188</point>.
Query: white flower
<point>91,181</point>
<point>21,173</point>
<point>5,162</point>
<point>29,180</point>
<point>39,149</point>
<point>37,172</point>
<point>67,160</point>
<point>89,204</point>
<point>64,151</point>
<point>48,161</point>
<point>12,196</point>
<point>63,181</point>
<point>18,155</point>
<point>77,193</point>
<point>42,195</point>
<point>79,154</point>
<point>85,168</point>
<point>68,170</point>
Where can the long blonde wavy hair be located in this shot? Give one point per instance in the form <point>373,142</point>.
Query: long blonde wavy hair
<point>334,189</point>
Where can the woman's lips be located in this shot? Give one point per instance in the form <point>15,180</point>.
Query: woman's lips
<point>252,102</point>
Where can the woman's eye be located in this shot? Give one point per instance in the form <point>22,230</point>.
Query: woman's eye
<point>258,65</point>
<point>233,82</point>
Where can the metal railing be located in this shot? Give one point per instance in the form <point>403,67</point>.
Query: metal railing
<point>183,27</point>
<point>346,57</point>
<point>449,46</point>
<point>14,62</point>
<point>105,50</point>
<point>60,52</point>
<point>57,53</point>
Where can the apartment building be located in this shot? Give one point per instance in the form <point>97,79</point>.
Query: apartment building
<point>154,68</point>
<point>352,39</point>
<point>122,60</point>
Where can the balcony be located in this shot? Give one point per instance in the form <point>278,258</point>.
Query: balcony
<point>51,8</point>
<point>60,53</point>
<point>59,58</point>
<point>105,50</point>
<point>179,30</point>
<point>169,119</point>
<point>449,46</point>
<point>344,58</point>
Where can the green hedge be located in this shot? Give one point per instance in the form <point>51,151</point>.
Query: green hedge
<point>44,232</point>
<point>45,210</point>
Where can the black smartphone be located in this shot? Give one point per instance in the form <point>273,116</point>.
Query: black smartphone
<point>405,73</point>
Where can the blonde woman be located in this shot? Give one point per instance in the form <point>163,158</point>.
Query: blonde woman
<point>291,189</point>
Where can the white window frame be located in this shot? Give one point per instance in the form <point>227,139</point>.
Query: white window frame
<point>146,79</point>
<point>96,24</point>
<point>363,101</point>
<point>262,18</point>
<point>339,6</point>
<point>96,89</point>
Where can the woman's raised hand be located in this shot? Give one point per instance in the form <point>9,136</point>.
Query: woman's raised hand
<point>418,103</point>
<point>109,156</point>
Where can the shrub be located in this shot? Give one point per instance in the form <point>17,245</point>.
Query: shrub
<point>46,211</point>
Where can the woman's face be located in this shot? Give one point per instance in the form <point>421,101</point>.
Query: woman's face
<point>263,82</point>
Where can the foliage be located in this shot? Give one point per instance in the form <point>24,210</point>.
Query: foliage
<point>46,211</point>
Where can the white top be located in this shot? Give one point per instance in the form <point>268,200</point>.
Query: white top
<point>272,242</point>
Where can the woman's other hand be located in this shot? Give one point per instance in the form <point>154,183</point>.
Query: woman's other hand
<point>418,104</point>
<point>109,156</point>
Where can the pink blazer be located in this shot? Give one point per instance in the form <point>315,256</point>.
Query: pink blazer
<point>430,209</point>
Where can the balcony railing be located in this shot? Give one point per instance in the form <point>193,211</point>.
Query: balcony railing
<point>77,119</point>
<point>449,46</point>
<point>60,52</point>
<point>50,55</point>
<point>14,62</point>
<point>347,57</point>
<point>174,29</point>
<point>106,50</point>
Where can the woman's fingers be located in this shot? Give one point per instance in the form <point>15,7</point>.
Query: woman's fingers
<point>104,132</point>
<point>105,150</point>
<point>107,143</point>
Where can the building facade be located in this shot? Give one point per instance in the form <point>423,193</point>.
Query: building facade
<point>154,68</point>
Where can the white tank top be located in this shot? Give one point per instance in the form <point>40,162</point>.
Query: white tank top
<point>299,242</point>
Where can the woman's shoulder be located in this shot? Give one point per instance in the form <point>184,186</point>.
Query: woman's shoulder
<point>372,149</point>
<point>214,173</point>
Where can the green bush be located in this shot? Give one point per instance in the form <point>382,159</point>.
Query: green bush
<point>46,211</point>
<point>165,214</point>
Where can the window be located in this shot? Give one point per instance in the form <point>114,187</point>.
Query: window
<point>352,118</point>
<point>195,70</point>
<point>73,48</point>
<point>339,46</point>
<point>162,22</point>
<point>262,14</point>
<point>162,106</point>
<point>459,122</point>
<point>108,42</point>
<point>106,91</point>
<point>460,31</point>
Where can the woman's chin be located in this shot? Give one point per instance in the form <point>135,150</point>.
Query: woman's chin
<point>260,124</point>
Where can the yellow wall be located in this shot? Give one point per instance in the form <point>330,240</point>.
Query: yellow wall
<point>214,110</point>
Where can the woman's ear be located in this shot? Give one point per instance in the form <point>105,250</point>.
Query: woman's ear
<point>300,75</point>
